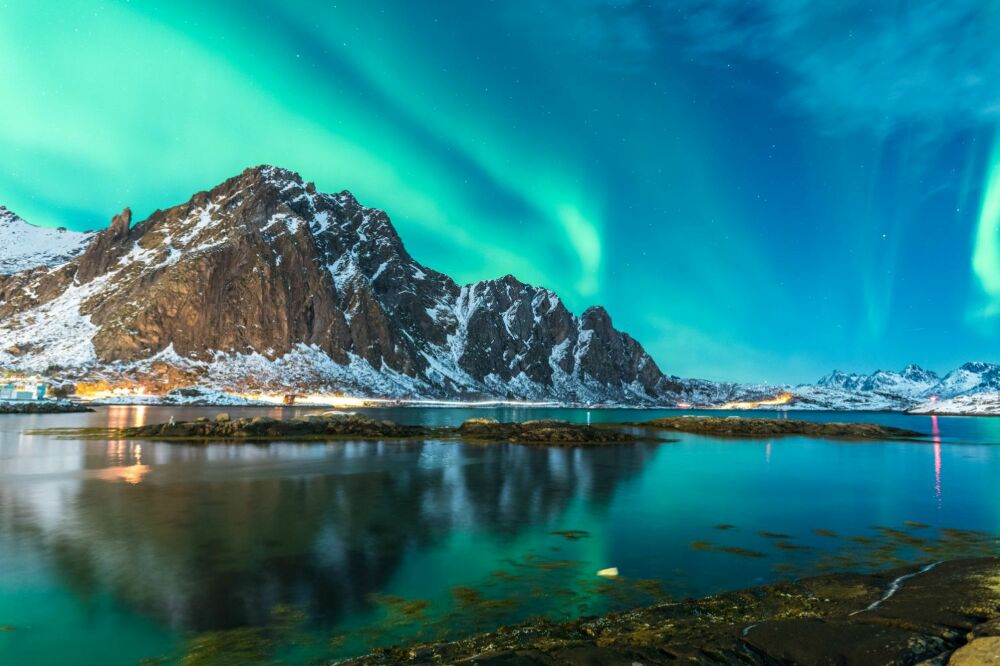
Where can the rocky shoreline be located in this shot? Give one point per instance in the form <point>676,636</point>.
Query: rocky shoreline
<point>735,426</point>
<point>348,425</point>
<point>936,613</point>
<point>42,407</point>
<point>543,432</point>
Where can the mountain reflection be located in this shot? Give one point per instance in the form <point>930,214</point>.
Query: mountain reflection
<point>216,536</point>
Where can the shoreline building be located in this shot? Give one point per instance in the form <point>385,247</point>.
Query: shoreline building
<point>12,391</point>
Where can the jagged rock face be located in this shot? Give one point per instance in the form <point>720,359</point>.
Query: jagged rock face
<point>264,276</point>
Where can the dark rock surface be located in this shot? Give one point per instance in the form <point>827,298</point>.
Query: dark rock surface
<point>548,431</point>
<point>836,619</point>
<point>312,426</point>
<point>734,426</point>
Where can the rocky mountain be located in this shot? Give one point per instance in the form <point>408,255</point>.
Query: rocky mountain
<point>24,246</point>
<point>264,282</point>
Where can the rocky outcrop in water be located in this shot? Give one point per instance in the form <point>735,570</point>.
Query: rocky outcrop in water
<point>311,426</point>
<point>550,432</point>
<point>733,426</point>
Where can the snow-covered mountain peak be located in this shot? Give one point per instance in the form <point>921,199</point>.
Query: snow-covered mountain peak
<point>968,378</point>
<point>24,246</point>
<point>914,372</point>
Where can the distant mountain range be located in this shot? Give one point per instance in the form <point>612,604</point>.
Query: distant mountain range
<point>912,388</point>
<point>264,284</point>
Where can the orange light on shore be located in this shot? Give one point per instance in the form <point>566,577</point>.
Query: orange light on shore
<point>101,390</point>
<point>782,399</point>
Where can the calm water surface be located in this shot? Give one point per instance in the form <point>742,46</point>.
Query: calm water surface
<point>112,552</point>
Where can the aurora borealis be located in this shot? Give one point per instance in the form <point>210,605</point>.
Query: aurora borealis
<point>755,192</point>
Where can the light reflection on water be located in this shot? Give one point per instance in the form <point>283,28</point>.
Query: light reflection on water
<point>133,544</point>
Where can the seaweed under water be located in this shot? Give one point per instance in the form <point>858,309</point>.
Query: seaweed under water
<point>536,589</point>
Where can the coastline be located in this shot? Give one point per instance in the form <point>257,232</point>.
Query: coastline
<point>42,407</point>
<point>927,611</point>
<point>334,425</point>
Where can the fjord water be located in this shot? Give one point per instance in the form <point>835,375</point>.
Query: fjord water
<point>111,551</point>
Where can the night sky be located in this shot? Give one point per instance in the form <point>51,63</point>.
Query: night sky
<point>755,190</point>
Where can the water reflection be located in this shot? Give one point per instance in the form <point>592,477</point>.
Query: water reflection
<point>216,536</point>
<point>936,438</point>
<point>127,463</point>
<point>136,543</point>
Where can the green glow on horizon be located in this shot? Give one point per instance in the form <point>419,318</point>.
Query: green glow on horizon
<point>986,246</point>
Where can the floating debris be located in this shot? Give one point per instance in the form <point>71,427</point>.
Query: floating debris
<point>742,552</point>
<point>571,535</point>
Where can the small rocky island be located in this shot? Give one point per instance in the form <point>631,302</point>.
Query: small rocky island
<point>943,613</point>
<point>736,426</point>
<point>41,407</point>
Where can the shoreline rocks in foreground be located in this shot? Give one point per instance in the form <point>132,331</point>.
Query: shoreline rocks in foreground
<point>736,426</point>
<point>41,407</point>
<point>940,613</point>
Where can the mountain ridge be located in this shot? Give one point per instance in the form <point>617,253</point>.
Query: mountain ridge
<point>264,283</point>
